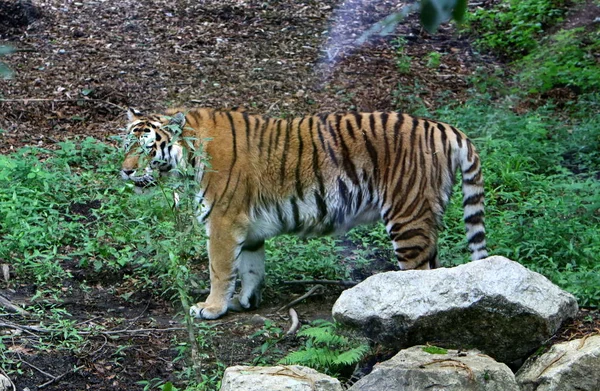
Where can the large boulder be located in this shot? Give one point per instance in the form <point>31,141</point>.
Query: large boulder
<point>415,369</point>
<point>573,365</point>
<point>279,378</point>
<point>494,304</point>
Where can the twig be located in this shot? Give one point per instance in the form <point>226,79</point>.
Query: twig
<point>27,329</point>
<point>4,302</point>
<point>295,322</point>
<point>322,282</point>
<point>36,368</point>
<point>11,382</point>
<point>57,378</point>
<point>551,363</point>
<point>126,331</point>
<point>304,296</point>
<point>26,100</point>
<point>109,332</point>
<point>454,363</point>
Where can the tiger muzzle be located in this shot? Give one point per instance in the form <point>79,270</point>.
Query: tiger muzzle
<point>145,180</point>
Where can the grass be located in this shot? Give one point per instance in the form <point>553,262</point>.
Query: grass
<point>67,209</point>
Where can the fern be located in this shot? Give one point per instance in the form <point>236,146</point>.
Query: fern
<point>325,350</point>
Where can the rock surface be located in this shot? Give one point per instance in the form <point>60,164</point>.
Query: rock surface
<point>573,365</point>
<point>494,304</point>
<point>280,378</point>
<point>414,369</point>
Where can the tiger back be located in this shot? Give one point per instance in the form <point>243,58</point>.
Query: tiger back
<point>310,176</point>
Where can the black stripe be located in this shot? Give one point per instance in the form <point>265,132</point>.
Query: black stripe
<point>397,128</point>
<point>472,168</point>
<point>347,162</point>
<point>299,189</point>
<point>295,214</point>
<point>372,125</point>
<point>247,123</point>
<point>407,235</point>
<point>284,152</point>
<point>263,129</point>
<point>233,192</point>
<point>233,136</point>
<point>253,246</point>
<point>350,129</point>
<point>458,136</point>
<point>343,189</point>
<point>477,238</point>
<point>475,219</point>
<point>384,120</point>
<point>334,128</point>
<point>473,199</point>
<point>331,153</point>
<point>279,212</point>
<point>321,205</point>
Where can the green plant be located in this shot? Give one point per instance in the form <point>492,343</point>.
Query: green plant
<point>511,28</point>
<point>403,61</point>
<point>434,59</point>
<point>272,335</point>
<point>567,58</point>
<point>326,349</point>
<point>434,350</point>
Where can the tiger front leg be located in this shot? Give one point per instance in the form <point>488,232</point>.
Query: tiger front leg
<point>222,251</point>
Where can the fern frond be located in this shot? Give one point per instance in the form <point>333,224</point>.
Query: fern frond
<point>352,356</point>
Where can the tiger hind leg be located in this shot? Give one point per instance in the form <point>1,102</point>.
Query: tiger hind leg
<point>251,269</point>
<point>415,242</point>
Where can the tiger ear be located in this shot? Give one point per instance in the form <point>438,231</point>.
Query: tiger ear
<point>133,114</point>
<point>177,122</point>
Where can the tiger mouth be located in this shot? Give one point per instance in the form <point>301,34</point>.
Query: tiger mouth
<point>144,181</point>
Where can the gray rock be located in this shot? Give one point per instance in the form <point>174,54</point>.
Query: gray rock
<point>415,370</point>
<point>5,383</point>
<point>573,365</point>
<point>279,378</point>
<point>494,304</point>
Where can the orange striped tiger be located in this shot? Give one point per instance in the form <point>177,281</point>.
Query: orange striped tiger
<point>313,175</point>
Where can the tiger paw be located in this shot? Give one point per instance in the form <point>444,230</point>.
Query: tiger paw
<point>204,311</point>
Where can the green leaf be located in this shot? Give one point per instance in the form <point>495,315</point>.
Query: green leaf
<point>460,10</point>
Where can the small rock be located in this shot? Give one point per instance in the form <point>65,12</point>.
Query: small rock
<point>415,369</point>
<point>573,365</point>
<point>279,378</point>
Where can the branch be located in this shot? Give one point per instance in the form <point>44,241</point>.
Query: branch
<point>4,302</point>
<point>311,292</point>
<point>322,282</point>
<point>295,322</point>
<point>57,378</point>
<point>27,100</point>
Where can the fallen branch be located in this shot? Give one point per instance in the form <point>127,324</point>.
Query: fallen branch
<point>57,378</point>
<point>36,368</point>
<point>311,292</point>
<point>295,322</point>
<point>109,332</point>
<point>27,100</point>
<point>322,282</point>
<point>4,302</point>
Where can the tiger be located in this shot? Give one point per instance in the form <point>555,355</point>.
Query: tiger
<point>316,175</point>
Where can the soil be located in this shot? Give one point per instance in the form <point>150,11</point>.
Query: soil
<point>79,65</point>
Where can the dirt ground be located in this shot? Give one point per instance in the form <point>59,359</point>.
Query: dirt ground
<point>79,65</point>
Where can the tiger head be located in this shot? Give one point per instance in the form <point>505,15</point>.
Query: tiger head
<point>152,146</point>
